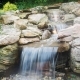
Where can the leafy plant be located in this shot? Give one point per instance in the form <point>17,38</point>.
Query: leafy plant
<point>9,6</point>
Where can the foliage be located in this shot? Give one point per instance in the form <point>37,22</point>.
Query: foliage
<point>9,6</point>
<point>23,4</point>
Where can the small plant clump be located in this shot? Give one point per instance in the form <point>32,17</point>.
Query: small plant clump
<point>9,6</point>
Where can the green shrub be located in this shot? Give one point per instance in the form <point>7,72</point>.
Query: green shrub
<point>9,6</point>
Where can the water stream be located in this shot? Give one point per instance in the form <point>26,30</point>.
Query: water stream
<point>36,60</point>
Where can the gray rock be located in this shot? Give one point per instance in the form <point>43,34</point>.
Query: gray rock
<point>23,15</point>
<point>37,18</point>
<point>68,17</point>
<point>75,59</point>
<point>46,34</point>
<point>75,53</point>
<point>75,42</point>
<point>21,24</point>
<point>69,7</point>
<point>76,11</point>
<point>8,19</point>
<point>77,20</point>
<point>73,31</point>
<point>31,32</point>
<point>28,40</point>
<point>9,35</point>
<point>42,25</point>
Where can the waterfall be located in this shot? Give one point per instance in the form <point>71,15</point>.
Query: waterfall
<point>33,60</point>
<point>60,26</point>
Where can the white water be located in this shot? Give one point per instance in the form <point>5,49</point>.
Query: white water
<point>33,60</point>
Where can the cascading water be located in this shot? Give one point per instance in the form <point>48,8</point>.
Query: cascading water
<point>33,60</point>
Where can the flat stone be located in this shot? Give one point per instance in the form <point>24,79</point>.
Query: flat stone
<point>28,40</point>
<point>30,32</point>
<point>73,31</point>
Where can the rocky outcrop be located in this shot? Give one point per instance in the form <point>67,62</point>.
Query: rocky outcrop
<point>8,56</point>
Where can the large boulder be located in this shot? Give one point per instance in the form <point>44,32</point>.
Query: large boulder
<point>9,35</point>
<point>37,18</point>
<point>8,19</point>
<point>21,24</point>
<point>8,56</point>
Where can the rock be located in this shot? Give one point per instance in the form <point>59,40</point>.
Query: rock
<point>37,18</point>
<point>28,40</point>
<point>69,7</point>
<point>38,9</point>
<point>77,20</point>
<point>75,66</point>
<point>42,25</point>
<point>75,53</point>
<point>8,56</point>
<point>76,11</point>
<point>67,39</point>
<point>8,19</point>
<point>21,24</point>
<point>31,32</point>
<point>75,59</point>
<point>75,42</point>
<point>50,43</point>
<point>46,34</point>
<point>72,31</point>
<point>23,15</point>
<point>8,35</point>
<point>68,17</point>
